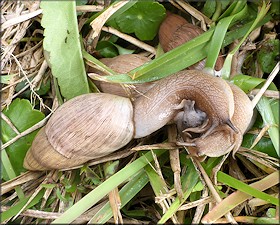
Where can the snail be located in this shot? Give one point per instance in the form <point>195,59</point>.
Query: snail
<point>220,142</point>
<point>97,124</point>
<point>175,31</point>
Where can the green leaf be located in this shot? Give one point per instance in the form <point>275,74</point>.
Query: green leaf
<point>267,55</point>
<point>218,37</point>
<point>209,8</point>
<point>225,71</point>
<point>143,19</point>
<point>239,185</point>
<point>265,110</point>
<point>265,220</point>
<point>17,207</point>
<point>22,116</point>
<point>177,59</point>
<point>247,83</point>
<point>63,45</point>
<point>107,49</point>
<point>5,79</point>
<point>264,145</point>
<point>43,89</point>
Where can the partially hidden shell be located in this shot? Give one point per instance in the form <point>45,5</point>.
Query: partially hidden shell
<point>175,31</point>
<point>83,128</point>
<point>123,64</point>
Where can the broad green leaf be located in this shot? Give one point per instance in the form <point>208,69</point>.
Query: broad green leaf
<point>143,19</point>
<point>267,55</point>
<point>247,83</point>
<point>22,116</point>
<point>264,145</point>
<point>63,46</point>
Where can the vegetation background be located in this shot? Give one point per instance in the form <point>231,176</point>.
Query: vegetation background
<point>39,73</point>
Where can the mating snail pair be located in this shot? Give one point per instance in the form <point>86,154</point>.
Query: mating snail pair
<point>94,125</point>
<point>211,114</point>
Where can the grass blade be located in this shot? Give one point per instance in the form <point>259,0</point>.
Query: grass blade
<point>248,189</point>
<point>17,207</point>
<point>99,192</point>
<point>218,38</point>
<point>126,194</point>
<point>266,112</point>
<point>227,64</point>
<point>238,197</point>
<point>192,179</point>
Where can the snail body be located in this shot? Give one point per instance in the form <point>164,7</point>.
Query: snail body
<point>211,94</point>
<point>212,145</point>
<point>94,125</point>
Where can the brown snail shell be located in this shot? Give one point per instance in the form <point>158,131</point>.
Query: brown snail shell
<point>81,129</point>
<point>175,31</point>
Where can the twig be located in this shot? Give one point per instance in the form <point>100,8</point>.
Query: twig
<point>270,78</point>
<point>20,19</point>
<point>202,201</point>
<point>213,190</point>
<point>29,82</point>
<point>267,93</point>
<point>89,8</point>
<point>130,39</point>
<point>195,13</point>
<point>40,74</point>
<point>21,179</point>
<point>8,121</point>
<point>98,23</point>
<point>28,131</point>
